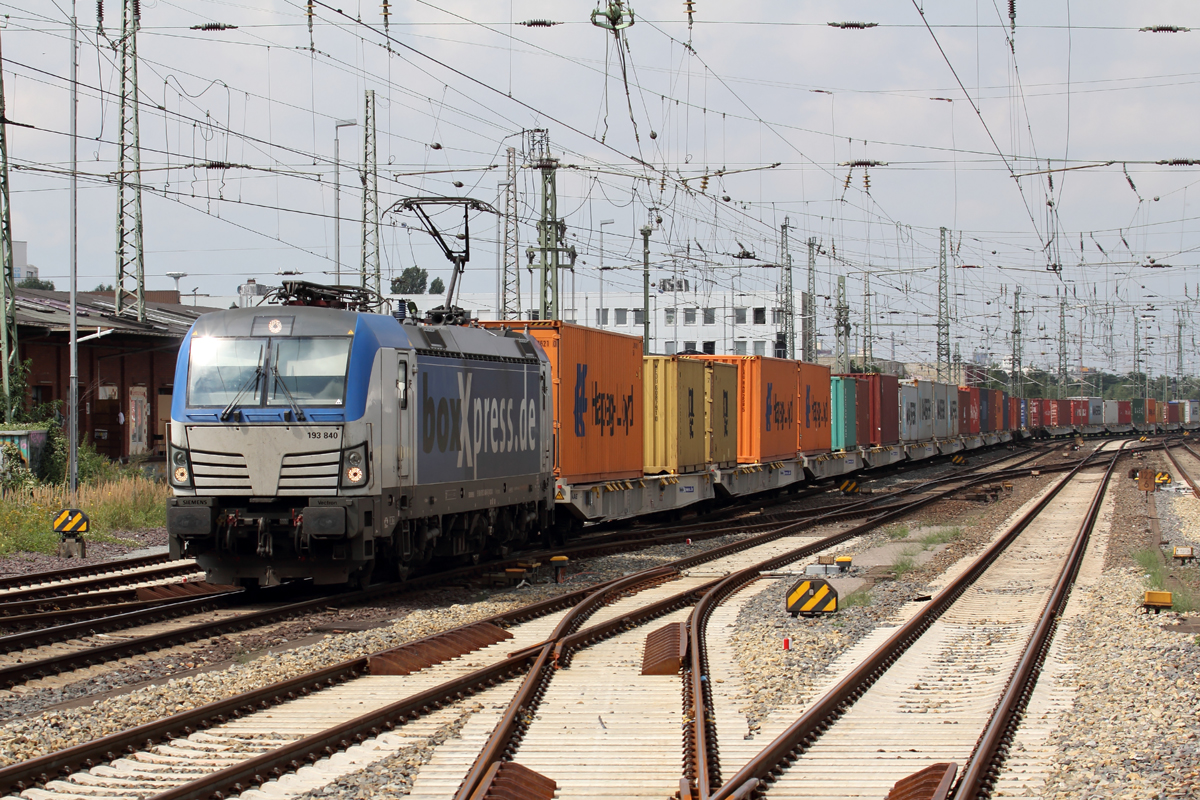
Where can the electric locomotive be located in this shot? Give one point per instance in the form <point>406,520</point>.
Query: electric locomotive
<point>316,439</point>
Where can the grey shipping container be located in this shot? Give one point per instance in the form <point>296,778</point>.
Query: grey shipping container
<point>924,411</point>
<point>908,413</point>
<point>1110,412</point>
<point>941,410</point>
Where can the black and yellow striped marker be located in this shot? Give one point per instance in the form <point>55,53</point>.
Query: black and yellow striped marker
<point>1142,439</point>
<point>71,520</point>
<point>1162,477</point>
<point>958,460</point>
<point>849,487</point>
<point>812,596</point>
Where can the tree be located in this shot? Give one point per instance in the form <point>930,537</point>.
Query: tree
<point>412,281</point>
<point>33,283</point>
<point>437,287</point>
<point>104,287</point>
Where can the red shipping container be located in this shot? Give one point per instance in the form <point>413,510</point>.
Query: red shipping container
<point>964,410</point>
<point>881,393</point>
<point>995,410</point>
<point>1124,412</point>
<point>1079,413</point>
<point>1151,410</point>
<point>973,421</point>
<point>1173,412</point>
<point>1014,414</point>
<point>1033,414</point>
<point>1050,413</point>
<point>768,405</point>
<point>862,411</point>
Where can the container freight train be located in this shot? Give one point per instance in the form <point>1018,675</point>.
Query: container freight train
<point>337,445</point>
<point>1094,415</point>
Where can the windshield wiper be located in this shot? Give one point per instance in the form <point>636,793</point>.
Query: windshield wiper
<point>297,414</point>
<point>252,381</point>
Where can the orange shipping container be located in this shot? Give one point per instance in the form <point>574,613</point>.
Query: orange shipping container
<point>814,412</point>
<point>598,418</point>
<point>767,407</point>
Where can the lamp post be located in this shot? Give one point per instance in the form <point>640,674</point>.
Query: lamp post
<point>337,205</point>
<point>646,289</point>
<point>603,222</point>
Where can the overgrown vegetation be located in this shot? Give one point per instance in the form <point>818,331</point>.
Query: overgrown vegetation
<point>1155,575</point>
<point>115,498</point>
<point>941,536</point>
<point>898,532</point>
<point>905,563</point>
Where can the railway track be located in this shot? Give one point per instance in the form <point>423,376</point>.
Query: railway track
<point>1184,473</point>
<point>970,653</point>
<point>29,655</point>
<point>569,638</point>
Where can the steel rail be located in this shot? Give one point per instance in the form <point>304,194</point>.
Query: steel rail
<point>983,767</point>
<point>126,619</point>
<point>15,778</point>
<point>18,777</point>
<point>1180,468</point>
<point>171,569</point>
<point>103,568</point>
<point>784,749</point>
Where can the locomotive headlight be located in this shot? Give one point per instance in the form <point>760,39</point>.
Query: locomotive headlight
<point>177,460</point>
<point>354,467</point>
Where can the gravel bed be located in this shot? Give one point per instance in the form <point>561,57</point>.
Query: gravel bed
<point>97,552</point>
<point>1132,731</point>
<point>34,733</point>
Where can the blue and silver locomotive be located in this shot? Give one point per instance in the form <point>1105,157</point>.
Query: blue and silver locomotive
<point>310,441</point>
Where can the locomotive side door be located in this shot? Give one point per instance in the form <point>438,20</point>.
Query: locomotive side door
<point>405,366</point>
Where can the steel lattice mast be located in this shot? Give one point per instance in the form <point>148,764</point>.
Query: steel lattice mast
<point>8,285</point>
<point>1016,383</point>
<point>510,281</point>
<point>789,296</point>
<point>943,318</point>
<point>868,351</point>
<point>130,259</point>
<point>841,328</point>
<point>810,311</point>
<point>1062,346</point>
<point>369,272</point>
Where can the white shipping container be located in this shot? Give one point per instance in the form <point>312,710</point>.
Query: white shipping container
<point>1110,412</point>
<point>952,411</point>
<point>941,410</point>
<point>908,412</point>
<point>1193,410</point>
<point>1095,411</point>
<point>925,409</point>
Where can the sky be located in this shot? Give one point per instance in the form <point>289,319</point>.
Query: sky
<point>1035,146</point>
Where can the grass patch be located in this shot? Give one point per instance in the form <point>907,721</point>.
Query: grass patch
<point>898,532</point>
<point>905,563</point>
<point>130,502</point>
<point>857,598</point>
<point>1155,572</point>
<point>941,536</point>
<point>1155,576</point>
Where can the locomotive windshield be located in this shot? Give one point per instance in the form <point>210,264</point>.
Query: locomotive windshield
<point>311,371</point>
<point>295,370</point>
<point>220,369</point>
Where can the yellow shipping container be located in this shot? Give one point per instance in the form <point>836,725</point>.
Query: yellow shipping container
<point>720,413</point>
<point>673,397</point>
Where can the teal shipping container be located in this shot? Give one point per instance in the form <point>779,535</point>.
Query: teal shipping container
<point>845,420</point>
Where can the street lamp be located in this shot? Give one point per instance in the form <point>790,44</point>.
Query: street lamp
<point>603,222</point>
<point>337,206</point>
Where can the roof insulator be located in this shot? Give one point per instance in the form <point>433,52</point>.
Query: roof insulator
<point>1164,29</point>
<point>214,26</point>
<point>853,25</point>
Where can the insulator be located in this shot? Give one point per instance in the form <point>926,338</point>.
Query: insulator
<point>214,26</point>
<point>662,183</point>
<point>846,185</point>
<point>853,25</point>
<point>704,184</point>
<point>387,11</point>
<point>310,8</point>
<point>137,9</point>
<point>867,182</point>
<point>1012,11</point>
<point>1164,29</point>
<point>539,23</point>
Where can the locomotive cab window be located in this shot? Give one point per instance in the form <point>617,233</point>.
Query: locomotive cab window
<point>311,370</point>
<point>220,369</point>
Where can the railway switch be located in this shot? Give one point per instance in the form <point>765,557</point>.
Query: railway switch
<point>811,596</point>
